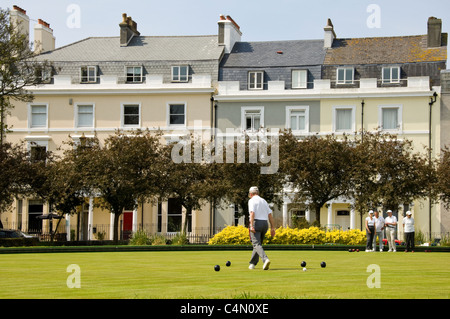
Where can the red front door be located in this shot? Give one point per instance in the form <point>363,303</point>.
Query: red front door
<point>127,224</point>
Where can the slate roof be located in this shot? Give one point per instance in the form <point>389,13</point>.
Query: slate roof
<point>141,48</point>
<point>383,50</point>
<point>265,54</point>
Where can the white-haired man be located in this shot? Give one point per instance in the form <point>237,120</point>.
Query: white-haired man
<point>260,215</point>
<point>391,228</point>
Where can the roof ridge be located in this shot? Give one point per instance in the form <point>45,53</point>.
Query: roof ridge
<point>386,37</point>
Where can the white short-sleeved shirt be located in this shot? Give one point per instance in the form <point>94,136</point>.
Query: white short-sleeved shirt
<point>409,224</point>
<point>260,207</point>
<point>379,222</point>
<point>370,222</point>
<point>389,220</point>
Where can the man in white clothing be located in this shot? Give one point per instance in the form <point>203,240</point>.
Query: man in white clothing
<point>260,214</point>
<point>379,223</point>
<point>391,227</point>
<point>408,229</point>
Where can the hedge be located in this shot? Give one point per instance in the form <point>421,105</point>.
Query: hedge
<point>239,235</point>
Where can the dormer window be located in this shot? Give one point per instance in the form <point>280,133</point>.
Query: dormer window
<point>299,79</point>
<point>180,73</point>
<point>255,80</point>
<point>134,74</point>
<point>391,74</point>
<point>345,75</point>
<point>88,74</point>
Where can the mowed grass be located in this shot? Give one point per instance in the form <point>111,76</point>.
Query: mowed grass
<point>191,275</point>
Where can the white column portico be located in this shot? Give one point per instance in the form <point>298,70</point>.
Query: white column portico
<point>111,226</point>
<point>91,219</point>
<point>330,214</point>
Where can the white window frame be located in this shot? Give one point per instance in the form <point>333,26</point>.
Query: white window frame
<point>257,85</point>
<point>390,74</point>
<point>168,114</point>
<point>46,74</point>
<point>303,79</point>
<point>244,112</point>
<point>136,78</point>
<point>30,117</point>
<point>334,118</point>
<point>76,114</point>
<point>37,142</point>
<point>122,115</point>
<point>304,108</point>
<point>177,77</point>
<point>345,80</point>
<point>399,108</point>
<point>88,78</point>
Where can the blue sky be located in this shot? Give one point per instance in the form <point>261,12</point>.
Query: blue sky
<point>260,20</point>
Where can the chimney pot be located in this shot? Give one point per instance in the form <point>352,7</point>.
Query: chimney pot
<point>45,24</point>
<point>17,8</point>
<point>43,37</point>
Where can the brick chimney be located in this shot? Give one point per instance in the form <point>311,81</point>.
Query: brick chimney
<point>21,21</point>
<point>330,35</point>
<point>43,37</point>
<point>229,32</point>
<point>434,32</point>
<point>128,29</point>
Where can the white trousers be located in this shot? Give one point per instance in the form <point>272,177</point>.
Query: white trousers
<point>390,236</point>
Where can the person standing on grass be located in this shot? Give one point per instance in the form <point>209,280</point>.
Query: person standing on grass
<point>370,231</point>
<point>260,215</point>
<point>391,226</point>
<point>408,229</point>
<point>379,226</point>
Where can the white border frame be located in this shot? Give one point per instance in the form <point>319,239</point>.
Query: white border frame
<point>390,74</point>
<point>30,119</point>
<point>168,104</point>
<point>75,115</point>
<point>122,115</point>
<point>134,66</point>
<point>179,66</point>
<point>288,117</point>
<point>340,107</point>
<point>251,108</point>
<point>345,79</point>
<point>292,79</point>
<point>87,69</point>
<point>399,108</point>
<point>248,80</point>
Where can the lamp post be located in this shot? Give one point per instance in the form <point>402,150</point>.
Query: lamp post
<point>432,101</point>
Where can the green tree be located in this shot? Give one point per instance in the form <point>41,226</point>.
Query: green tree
<point>19,68</point>
<point>14,172</point>
<point>58,181</point>
<point>389,172</point>
<point>188,178</point>
<point>318,168</point>
<point>122,171</point>
<point>246,169</point>
<point>442,186</point>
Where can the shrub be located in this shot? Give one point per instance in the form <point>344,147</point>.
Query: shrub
<point>158,240</point>
<point>139,238</point>
<point>348,237</point>
<point>239,235</point>
<point>180,239</point>
<point>231,235</point>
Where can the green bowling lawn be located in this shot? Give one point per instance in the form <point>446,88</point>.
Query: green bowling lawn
<point>191,275</point>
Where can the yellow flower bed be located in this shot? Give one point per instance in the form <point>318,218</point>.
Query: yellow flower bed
<point>231,235</point>
<point>239,235</point>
